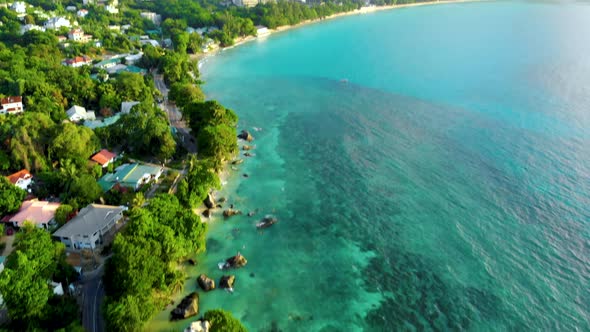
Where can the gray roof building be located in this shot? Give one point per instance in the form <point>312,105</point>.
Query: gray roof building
<point>88,228</point>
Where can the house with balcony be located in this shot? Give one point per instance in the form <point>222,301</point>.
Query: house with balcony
<point>11,105</point>
<point>91,227</point>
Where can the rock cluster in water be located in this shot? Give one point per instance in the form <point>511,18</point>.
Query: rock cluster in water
<point>245,135</point>
<point>206,283</point>
<point>227,281</point>
<point>189,306</point>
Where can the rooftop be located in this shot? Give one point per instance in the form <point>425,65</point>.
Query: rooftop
<point>127,175</point>
<point>22,174</point>
<point>93,124</point>
<point>90,220</point>
<point>126,106</point>
<point>11,99</point>
<point>76,110</point>
<point>37,212</point>
<point>103,156</point>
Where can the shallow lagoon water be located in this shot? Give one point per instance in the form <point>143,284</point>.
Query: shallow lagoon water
<point>436,176</point>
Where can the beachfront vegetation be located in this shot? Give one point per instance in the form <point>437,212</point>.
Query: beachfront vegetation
<point>185,93</point>
<point>222,321</point>
<point>143,272</point>
<point>214,126</point>
<point>24,285</point>
<point>199,180</point>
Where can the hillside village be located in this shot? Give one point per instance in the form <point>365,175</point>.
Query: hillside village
<point>101,118</point>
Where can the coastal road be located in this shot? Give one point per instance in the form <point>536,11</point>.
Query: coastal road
<point>175,116</point>
<point>93,293</point>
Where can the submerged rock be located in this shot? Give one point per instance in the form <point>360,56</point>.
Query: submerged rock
<point>245,175</point>
<point>231,212</point>
<point>209,201</point>
<point>206,283</point>
<point>235,262</point>
<point>267,221</point>
<point>247,147</point>
<point>247,154</point>
<point>245,135</point>
<point>227,281</point>
<point>189,306</point>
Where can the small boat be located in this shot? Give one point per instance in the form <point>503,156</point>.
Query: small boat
<point>267,221</point>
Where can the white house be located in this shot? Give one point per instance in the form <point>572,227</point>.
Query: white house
<point>261,30</point>
<point>57,22</point>
<point>247,3</point>
<point>19,7</point>
<point>88,229</point>
<point>71,8</point>
<point>111,9</point>
<point>76,34</point>
<point>133,58</point>
<point>82,13</point>
<point>78,113</point>
<point>21,179</point>
<point>11,105</point>
<point>155,18</point>
<point>28,27</point>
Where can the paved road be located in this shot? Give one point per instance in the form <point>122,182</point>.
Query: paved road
<point>175,116</point>
<point>93,292</point>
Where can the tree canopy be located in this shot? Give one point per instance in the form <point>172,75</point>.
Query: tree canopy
<point>144,260</point>
<point>222,321</point>
<point>24,281</point>
<point>11,197</point>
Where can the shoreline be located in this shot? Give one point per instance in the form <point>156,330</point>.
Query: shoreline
<point>363,10</point>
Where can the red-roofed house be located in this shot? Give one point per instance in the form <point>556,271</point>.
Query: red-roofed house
<point>104,157</point>
<point>78,61</point>
<point>11,105</point>
<point>21,179</point>
<point>40,213</point>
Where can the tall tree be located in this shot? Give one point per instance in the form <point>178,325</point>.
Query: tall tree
<point>11,197</point>
<point>74,142</point>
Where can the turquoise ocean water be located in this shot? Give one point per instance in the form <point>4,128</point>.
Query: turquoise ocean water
<point>430,168</point>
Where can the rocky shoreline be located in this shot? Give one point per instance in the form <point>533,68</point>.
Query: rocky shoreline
<point>218,209</point>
